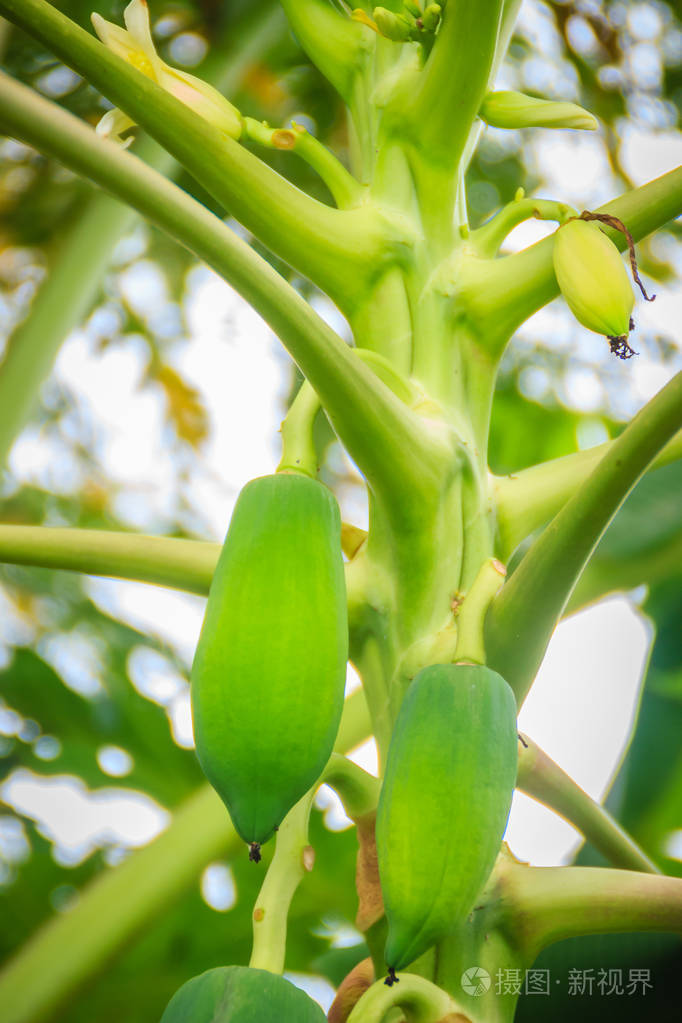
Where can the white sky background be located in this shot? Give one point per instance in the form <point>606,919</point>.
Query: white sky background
<point>583,703</point>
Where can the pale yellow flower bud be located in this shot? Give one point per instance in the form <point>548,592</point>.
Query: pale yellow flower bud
<point>135,45</point>
<point>516,110</point>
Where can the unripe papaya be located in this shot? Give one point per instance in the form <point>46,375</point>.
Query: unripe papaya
<point>269,671</point>
<point>444,803</point>
<point>593,278</point>
<point>239,994</point>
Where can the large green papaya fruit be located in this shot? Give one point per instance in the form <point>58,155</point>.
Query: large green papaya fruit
<point>444,802</point>
<point>239,994</point>
<point>269,671</point>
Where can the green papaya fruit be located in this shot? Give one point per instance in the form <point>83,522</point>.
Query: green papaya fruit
<point>239,994</point>
<point>269,671</point>
<point>444,803</point>
<point>593,278</point>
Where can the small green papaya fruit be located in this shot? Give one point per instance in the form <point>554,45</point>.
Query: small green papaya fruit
<point>444,802</point>
<point>239,994</point>
<point>269,671</point>
<point>593,278</point>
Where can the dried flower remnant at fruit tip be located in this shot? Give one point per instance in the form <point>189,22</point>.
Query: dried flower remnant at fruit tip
<point>254,852</point>
<point>618,344</point>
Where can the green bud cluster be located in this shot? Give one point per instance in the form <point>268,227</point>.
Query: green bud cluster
<point>413,23</point>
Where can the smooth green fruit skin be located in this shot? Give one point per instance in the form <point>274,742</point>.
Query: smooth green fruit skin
<point>269,672</point>
<point>444,803</point>
<point>593,278</point>
<point>239,994</point>
<point>517,110</point>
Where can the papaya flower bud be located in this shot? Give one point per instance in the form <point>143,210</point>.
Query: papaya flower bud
<point>134,44</point>
<point>516,110</point>
<point>392,26</point>
<point>431,17</point>
<point>594,280</point>
<point>364,19</point>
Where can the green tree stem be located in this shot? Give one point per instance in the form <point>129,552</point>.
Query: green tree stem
<point>298,444</point>
<point>70,948</point>
<point>294,857</point>
<point>548,904</point>
<point>379,431</point>
<point>471,615</point>
<point>525,612</point>
<point>527,500</point>
<point>338,250</point>
<point>545,781</point>
<point>165,561</point>
<point>455,79</point>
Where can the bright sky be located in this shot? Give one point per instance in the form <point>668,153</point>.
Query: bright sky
<point>582,706</point>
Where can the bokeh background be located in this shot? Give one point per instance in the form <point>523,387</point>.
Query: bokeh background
<point>166,399</point>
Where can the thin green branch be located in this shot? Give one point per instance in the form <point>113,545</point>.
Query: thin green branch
<point>548,904</point>
<point>380,432</point>
<point>523,616</point>
<point>545,781</point>
<point>341,251</point>
<point>165,561</point>
<point>488,238</point>
<point>298,442</point>
<point>345,189</point>
<point>294,857</point>
<point>112,910</point>
<point>527,499</point>
<point>471,614</point>
<point>501,294</point>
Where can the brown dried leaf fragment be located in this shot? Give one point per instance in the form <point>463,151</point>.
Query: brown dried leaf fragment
<point>351,991</point>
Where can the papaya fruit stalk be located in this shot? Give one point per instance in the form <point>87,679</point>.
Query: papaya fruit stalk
<point>439,633</point>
